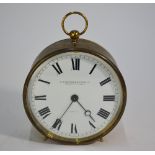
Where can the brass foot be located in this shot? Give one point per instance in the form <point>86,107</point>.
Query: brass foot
<point>45,138</point>
<point>101,139</point>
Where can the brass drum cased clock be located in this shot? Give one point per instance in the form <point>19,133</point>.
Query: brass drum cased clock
<point>74,92</point>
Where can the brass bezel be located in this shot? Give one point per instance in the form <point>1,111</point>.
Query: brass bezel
<point>42,58</point>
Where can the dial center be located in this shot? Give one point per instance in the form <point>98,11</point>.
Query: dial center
<point>74,98</point>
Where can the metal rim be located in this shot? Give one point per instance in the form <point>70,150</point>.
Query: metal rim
<point>64,140</point>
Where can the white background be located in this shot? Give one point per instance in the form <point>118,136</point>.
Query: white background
<point>127,31</point>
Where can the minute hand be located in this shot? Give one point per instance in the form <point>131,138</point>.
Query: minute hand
<point>87,112</point>
<point>66,110</point>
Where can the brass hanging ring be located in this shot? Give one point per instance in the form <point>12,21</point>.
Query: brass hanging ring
<point>71,13</point>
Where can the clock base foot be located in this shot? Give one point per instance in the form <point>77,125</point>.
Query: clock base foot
<point>45,138</point>
<point>101,139</point>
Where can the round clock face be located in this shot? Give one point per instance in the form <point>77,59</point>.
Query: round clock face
<point>74,95</point>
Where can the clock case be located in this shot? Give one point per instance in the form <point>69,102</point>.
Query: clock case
<point>63,46</point>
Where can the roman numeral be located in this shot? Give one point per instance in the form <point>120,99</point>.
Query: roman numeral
<point>76,64</point>
<point>103,113</point>
<point>91,124</point>
<point>44,112</point>
<point>57,68</point>
<point>105,81</point>
<point>109,98</point>
<point>93,68</point>
<point>57,124</point>
<point>73,128</point>
<point>44,81</point>
<point>42,97</point>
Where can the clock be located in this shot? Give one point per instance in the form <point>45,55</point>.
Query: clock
<point>74,92</point>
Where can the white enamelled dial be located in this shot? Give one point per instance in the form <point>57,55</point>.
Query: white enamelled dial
<point>74,95</point>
